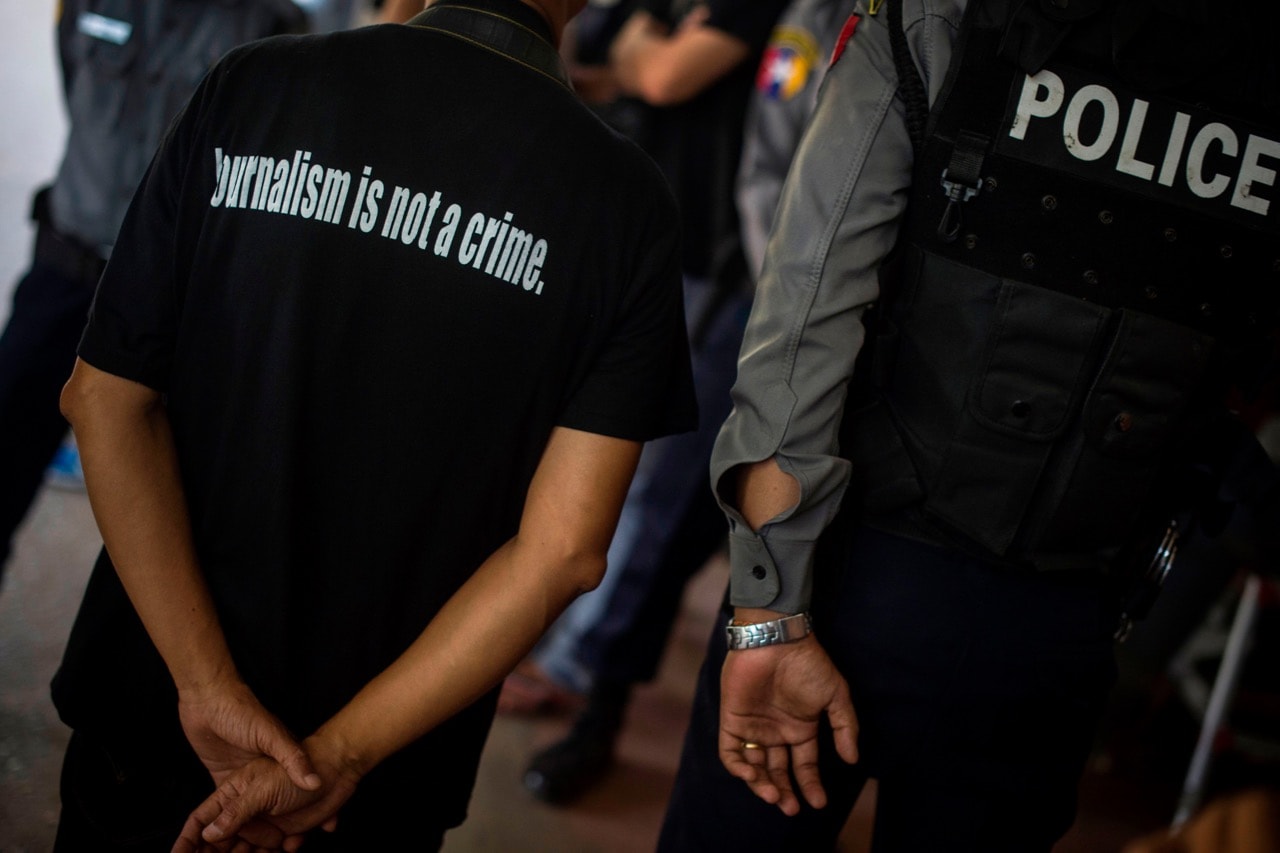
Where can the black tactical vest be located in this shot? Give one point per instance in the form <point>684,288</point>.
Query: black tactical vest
<point>1086,265</point>
<point>129,66</point>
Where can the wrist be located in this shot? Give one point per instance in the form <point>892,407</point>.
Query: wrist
<point>338,754</point>
<point>201,681</point>
<point>752,615</point>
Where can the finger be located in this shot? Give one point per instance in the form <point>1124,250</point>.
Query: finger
<point>228,809</point>
<point>293,843</point>
<point>844,726</point>
<point>220,847</point>
<point>203,815</point>
<point>192,838</point>
<point>734,762</point>
<point>778,764</point>
<point>260,833</point>
<point>225,846</point>
<point>758,780</point>
<point>189,838</point>
<point>281,746</point>
<point>753,755</point>
<point>738,766</point>
<point>731,756</point>
<point>804,765</point>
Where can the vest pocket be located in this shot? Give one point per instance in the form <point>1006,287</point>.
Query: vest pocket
<point>1136,415</point>
<point>104,52</point>
<point>1033,376</point>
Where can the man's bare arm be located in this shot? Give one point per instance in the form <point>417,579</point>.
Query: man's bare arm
<point>664,68</point>
<point>130,469</point>
<point>482,632</point>
<point>488,626</point>
<point>131,474</point>
<point>399,11</point>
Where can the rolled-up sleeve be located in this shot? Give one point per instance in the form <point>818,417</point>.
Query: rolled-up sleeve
<point>836,223</point>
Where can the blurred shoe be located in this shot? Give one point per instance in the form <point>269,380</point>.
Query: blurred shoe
<point>64,472</point>
<point>528,691</point>
<point>565,770</point>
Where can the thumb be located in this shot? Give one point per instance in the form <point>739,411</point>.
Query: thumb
<point>277,743</point>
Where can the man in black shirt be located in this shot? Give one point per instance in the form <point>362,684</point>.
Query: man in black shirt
<point>360,396</point>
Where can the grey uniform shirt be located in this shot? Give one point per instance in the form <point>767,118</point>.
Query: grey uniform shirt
<point>795,59</point>
<point>836,222</point>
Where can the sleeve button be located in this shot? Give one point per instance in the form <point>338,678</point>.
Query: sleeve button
<point>758,572</point>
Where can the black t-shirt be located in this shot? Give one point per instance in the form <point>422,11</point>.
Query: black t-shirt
<point>698,143</point>
<point>371,271</point>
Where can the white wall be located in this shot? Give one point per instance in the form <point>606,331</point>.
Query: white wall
<point>32,127</point>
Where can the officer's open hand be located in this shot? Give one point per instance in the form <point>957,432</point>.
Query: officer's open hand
<point>773,697</point>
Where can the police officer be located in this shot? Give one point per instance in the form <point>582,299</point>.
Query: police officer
<point>127,69</point>
<point>1077,247</point>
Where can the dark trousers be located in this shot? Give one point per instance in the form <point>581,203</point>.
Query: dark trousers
<point>117,800</point>
<point>977,690</point>
<point>37,352</point>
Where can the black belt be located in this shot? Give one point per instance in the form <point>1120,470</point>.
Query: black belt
<point>71,258</point>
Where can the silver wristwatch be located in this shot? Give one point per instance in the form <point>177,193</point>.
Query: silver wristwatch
<point>788,629</point>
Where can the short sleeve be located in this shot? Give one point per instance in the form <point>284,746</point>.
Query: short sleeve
<point>133,319</point>
<point>640,386</point>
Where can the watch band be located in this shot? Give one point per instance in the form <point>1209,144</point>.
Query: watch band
<point>788,629</point>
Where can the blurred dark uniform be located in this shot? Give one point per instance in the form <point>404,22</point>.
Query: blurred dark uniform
<point>1087,260</point>
<point>128,68</point>
<point>698,144</point>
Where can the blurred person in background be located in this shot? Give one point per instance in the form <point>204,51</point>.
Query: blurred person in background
<point>127,69</point>
<point>693,66</point>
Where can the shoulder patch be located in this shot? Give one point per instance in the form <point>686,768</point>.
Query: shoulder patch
<point>846,33</point>
<point>790,58</point>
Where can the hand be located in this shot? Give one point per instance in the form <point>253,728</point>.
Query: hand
<point>595,84</point>
<point>228,727</point>
<point>256,836</point>
<point>774,696</point>
<point>639,29</point>
<point>697,16</point>
<point>259,806</point>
